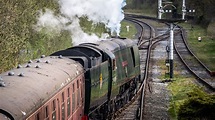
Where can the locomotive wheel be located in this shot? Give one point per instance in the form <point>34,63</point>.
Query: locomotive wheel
<point>138,113</point>
<point>126,98</point>
<point>113,106</point>
<point>111,109</point>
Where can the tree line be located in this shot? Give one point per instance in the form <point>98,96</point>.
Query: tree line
<point>204,9</point>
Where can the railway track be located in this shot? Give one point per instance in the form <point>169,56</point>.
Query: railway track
<point>132,110</point>
<point>193,64</point>
<point>147,40</point>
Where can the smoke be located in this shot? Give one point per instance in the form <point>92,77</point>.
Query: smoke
<point>108,12</point>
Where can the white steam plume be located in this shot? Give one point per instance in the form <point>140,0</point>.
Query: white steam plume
<point>108,12</point>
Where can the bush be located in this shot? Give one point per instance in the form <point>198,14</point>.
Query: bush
<point>199,105</point>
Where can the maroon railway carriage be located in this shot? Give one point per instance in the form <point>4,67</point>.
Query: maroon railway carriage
<point>51,88</point>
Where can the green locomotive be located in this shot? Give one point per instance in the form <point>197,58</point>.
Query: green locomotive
<point>112,71</point>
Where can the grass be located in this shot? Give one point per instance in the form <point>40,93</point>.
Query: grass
<point>144,9</point>
<point>187,100</point>
<point>179,89</point>
<point>205,49</point>
<point>128,34</point>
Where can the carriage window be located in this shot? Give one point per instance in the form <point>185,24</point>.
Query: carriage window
<point>73,88</point>
<point>114,64</point>
<point>46,112</point>
<point>63,108</point>
<point>73,102</point>
<point>62,96</point>
<point>81,87</point>
<point>73,97</point>
<point>54,110</point>
<point>37,117</point>
<point>133,57</point>
<point>68,102</point>
<point>63,112</point>
<point>77,83</point>
<point>68,92</point>
<point>53,105</point>
<point>78,97</point>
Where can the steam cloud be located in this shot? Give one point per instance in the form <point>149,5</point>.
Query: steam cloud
<point>108,12</point>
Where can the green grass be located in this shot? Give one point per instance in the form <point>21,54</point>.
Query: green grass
<point>205,49</point>
<point>145,12</point>
<point>144,9</point>
<point>179,89</point>
<point>128,34</point>
<point>187,100</point>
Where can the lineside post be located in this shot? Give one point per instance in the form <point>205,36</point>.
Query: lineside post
<point>171,50</point>
<point>183,10</point>
<point>160,9</point>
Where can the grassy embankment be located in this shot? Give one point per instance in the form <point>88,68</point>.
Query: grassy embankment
<point>205,49</point>
<point>187,100</point>
<point>128,34</point>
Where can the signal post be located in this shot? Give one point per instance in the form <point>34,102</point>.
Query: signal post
<point>172,22</point>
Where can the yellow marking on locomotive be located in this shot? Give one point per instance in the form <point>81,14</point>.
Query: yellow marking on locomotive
<point>100,79</point>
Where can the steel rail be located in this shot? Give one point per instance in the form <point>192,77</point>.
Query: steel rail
<point>199,78</point>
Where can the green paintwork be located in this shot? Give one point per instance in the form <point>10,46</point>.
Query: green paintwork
<point>99,86</point>
<point>127,71</point>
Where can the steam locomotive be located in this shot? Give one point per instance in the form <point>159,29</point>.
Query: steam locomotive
<point>88,81</point>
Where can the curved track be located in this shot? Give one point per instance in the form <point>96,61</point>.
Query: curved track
<point>193,64</point>
<point>132,110</point>
<point>147,39</point>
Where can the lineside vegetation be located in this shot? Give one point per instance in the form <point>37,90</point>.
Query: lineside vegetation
<point>205,49</point>
<point>188,101</point>
<point>19,42</point>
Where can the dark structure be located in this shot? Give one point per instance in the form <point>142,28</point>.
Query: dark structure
<point>88,81</point>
